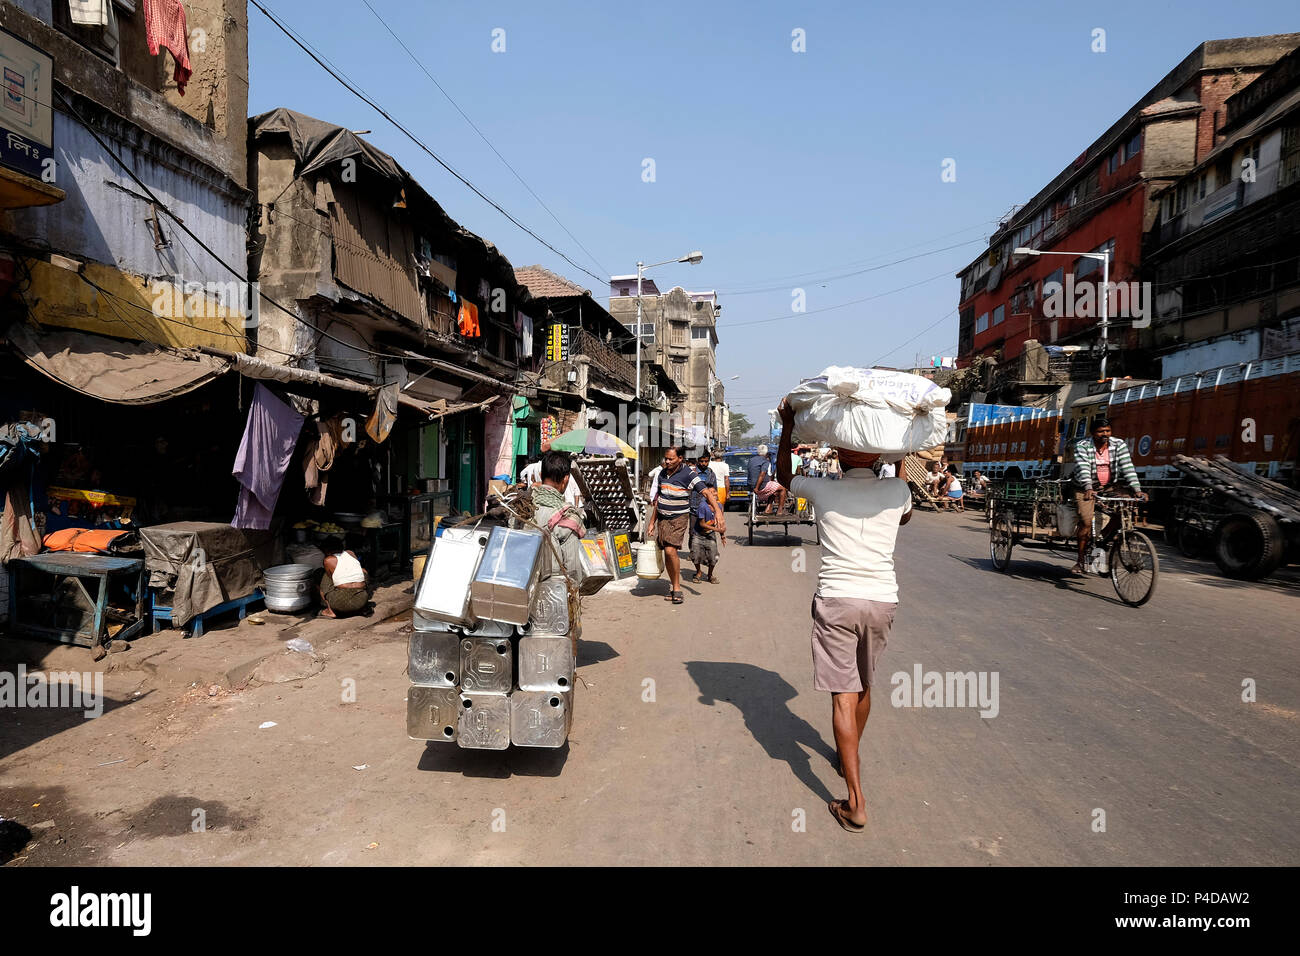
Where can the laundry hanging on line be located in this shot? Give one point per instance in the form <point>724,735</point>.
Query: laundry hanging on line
<point>264,457</point>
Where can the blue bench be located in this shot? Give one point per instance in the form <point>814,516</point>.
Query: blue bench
<point>240,604</point>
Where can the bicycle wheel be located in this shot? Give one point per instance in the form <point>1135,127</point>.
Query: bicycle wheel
<point>1000,542</point>
<point>1134,568</point>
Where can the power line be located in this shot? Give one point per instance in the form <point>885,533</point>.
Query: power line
<point>860,262</point>
<point>161,206</point>
<point>832,308</point>
<point>481,135</point>
<point>858,272</point>
<point>361,95</point>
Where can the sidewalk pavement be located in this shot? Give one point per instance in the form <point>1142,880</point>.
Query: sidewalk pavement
<point>230,654</point>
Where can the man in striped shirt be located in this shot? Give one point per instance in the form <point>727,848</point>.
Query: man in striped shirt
<point>670,513</point>
<point>1100,462</point>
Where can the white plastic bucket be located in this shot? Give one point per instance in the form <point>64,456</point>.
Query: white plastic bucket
<point>649,561</point>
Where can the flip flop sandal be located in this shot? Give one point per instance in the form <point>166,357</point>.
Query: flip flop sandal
<point>834,806</point>
<point>677,598</point>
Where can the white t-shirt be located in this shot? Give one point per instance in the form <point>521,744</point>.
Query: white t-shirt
<point>721,472</point>
<point>532,474</point>
<point>887,469</point>
<point>858,518</point>
<point>348,570</point>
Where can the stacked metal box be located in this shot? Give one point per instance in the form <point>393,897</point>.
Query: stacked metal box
<point>483,682</point>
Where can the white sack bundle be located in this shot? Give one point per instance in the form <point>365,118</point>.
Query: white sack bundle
<point>870,410</point>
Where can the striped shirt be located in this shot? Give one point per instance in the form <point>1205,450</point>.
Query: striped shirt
<point>675,491</point>
<point>1121,464</point>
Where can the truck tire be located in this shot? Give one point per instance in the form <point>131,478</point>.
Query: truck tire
<point>1249,546</point>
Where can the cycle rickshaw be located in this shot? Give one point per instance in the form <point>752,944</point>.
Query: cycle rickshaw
<point>1039,513</point>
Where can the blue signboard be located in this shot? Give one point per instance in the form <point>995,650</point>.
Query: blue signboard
<point>986,414</point>
<point>26,117</point>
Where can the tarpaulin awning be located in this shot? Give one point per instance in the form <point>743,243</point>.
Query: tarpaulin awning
<point>615,393</point>
<point>127,373</point>
<point>442,408</point>
<point>318,144</point>
<point>262,370</point>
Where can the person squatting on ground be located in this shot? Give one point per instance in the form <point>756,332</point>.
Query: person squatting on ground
<point>344,587</point>
<point>1100,462</point>
<point>858,518</point>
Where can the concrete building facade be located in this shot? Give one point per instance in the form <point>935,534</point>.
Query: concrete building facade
<point>1104,201</point>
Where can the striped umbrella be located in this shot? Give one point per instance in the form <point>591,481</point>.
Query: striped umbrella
<point>591,441</point>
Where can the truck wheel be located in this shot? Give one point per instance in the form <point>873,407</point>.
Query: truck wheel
<point>1249,546</point>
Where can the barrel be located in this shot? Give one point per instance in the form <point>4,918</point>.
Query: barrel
<point>288,587</point>
<point>649,561</point>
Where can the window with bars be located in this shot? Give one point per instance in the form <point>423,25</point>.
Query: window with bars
<point>1289,161</point>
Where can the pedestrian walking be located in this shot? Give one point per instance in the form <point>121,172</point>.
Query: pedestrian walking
<point>670,518</point>
<point>705,540</point>
<point>858,518</point>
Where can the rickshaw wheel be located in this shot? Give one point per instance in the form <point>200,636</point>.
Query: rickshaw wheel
<point>1134,568</point>
<point>1000,542</point>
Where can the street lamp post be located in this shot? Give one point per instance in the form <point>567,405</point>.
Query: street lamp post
<point>1105,290</point>
<point>694,258</point>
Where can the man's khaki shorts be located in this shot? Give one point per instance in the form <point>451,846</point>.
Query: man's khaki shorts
<point>1086,506</point>
<point>848,637</point>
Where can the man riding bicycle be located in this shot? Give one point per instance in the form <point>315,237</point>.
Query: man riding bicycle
<point>1100,462</point>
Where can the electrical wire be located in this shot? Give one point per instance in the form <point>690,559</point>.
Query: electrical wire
<point>947,273</point>
<point>482,136</point>
<point>352,88</point>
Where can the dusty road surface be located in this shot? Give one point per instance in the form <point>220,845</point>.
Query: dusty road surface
<point>699,740</point>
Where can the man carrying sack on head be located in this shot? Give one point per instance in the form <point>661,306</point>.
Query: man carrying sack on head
<point>858,517</point>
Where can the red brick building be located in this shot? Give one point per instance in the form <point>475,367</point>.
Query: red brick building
<point>1104,200</point>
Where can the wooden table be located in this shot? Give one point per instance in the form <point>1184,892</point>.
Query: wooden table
<point>57,568</point>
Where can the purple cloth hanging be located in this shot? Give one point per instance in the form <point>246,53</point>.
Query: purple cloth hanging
<point>264,456</point>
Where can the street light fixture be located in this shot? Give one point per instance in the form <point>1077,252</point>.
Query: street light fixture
<point>1104,258</point>
<point>694,258</point>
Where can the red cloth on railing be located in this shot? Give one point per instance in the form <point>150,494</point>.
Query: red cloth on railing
<point>164,27</point>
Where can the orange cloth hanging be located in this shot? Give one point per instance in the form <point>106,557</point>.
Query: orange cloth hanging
<point>468,323</point>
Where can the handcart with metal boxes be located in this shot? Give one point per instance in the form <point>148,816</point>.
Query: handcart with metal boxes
<point>492,658</point>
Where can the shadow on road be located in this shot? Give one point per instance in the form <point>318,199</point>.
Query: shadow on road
<point>760,696</point>
<point>494,764</point>
<point>593,652</point>
<point>660,587</point>
<point>1055,574</point>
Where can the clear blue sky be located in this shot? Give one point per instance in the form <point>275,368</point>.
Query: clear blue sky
<point>785,168</point>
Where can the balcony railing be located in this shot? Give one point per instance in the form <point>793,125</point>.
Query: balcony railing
<point>606,359</point>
